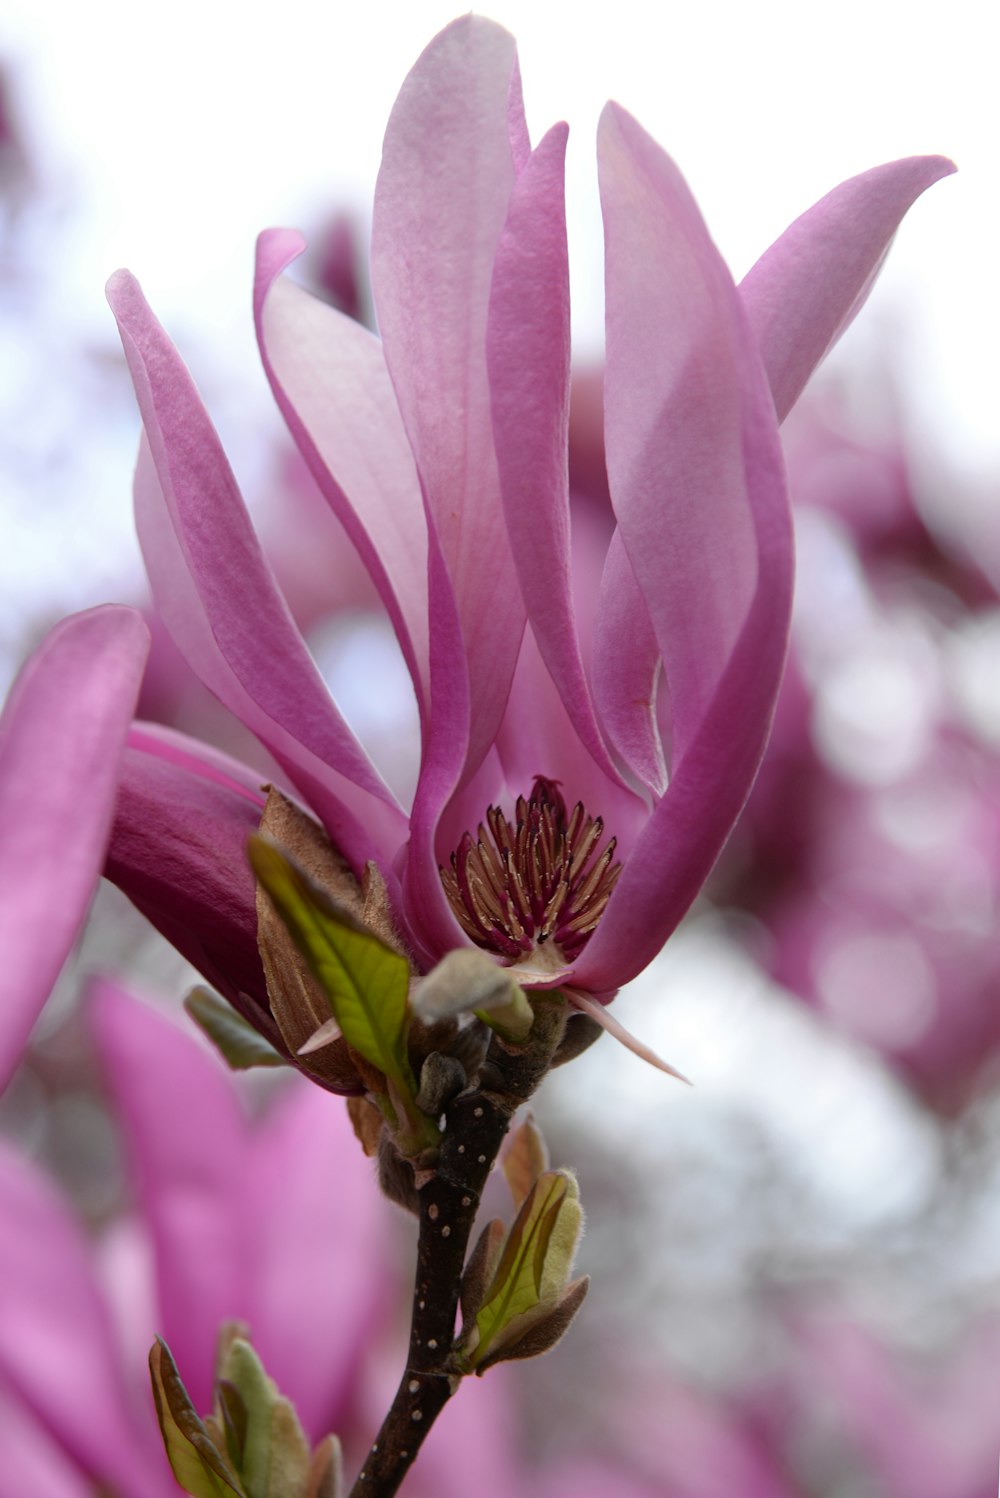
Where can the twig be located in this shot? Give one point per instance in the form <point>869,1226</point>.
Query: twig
<point>475,1125</point>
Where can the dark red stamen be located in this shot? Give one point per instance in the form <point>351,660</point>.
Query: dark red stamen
<point>517,886</point>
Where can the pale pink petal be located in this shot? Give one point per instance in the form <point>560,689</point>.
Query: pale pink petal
<point>696,474</point>
<point>674,416</point>
<point>626,670</point>
<point>61,738</point>
<point>56,1346</point>
<point>217,596</point>
<point>528,349</point>
<point>330,380</point>
<point>317,1234</point>
<point>517,125</point>
<point>185,1138</point>
<point>806,289</point>
<point>537,738</point>
<point>440,206</point>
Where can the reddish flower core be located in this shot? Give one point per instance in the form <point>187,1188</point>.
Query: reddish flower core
<point>515,887</point>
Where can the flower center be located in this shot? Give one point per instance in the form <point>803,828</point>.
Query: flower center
<point>517,886</point>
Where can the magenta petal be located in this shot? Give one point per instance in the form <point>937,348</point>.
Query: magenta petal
<point>316,1235</point>
<point>33,1462</point>
<point>56,1345</point>
<point>528,349</point>
<point>330,380</point>
<point>178,850</point>
<point>625,667</point>
<point>61,737</point>
<point>219,600</point>
<point>807,288</point>
<point>696,475</point>
<point>185,1136</point>
<point>440,206</point>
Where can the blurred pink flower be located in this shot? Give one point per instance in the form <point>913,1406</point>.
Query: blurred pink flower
<point>61,736</point>
<point>442,448</point>
<point>275,1223</point>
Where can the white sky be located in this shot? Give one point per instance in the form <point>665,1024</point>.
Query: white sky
<point>186,127</point>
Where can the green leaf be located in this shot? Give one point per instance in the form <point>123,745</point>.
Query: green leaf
<point>194,1458</point>
<point>275,1455</point>
<point>234,1037</point>
<point>365,981</point>
<point>533,1271</point>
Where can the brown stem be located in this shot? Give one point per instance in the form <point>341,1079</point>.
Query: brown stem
<point>475,1125</point>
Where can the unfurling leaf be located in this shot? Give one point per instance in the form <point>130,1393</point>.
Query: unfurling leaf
<point>194,1458</point>
<point>524,1158</point>
<point>529,1290</point>
<point>238,1042</point>
<point>267,1454</point>
<point>275,1456</point>
<point>466,981</point>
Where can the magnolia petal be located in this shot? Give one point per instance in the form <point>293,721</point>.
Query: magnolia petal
<point>61,738</point>
<point>184,1135</point>
<point>440,205</point>
<point>33,1462</point>
<point>205,564</point>
<point>331,383</point>
<point>316,1232</point>
<point>720,717</point>
<point>674,416</point>
<point>807,288</point>
<point>528,350</point>
<point>57,1350</point>
<point>517,125</point>
<point>178,850</point>
<point>625,665</point>
<point>538,738</point>
<point>617,1031</point>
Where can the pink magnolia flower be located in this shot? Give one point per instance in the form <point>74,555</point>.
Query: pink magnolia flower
<point>61,736</point>
<point>442,448</point>
<point>273,1223</point>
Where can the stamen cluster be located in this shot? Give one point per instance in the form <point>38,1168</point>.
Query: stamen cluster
<point>540,879</point>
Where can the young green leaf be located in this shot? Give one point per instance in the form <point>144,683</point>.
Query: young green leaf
<point>194,1458</point>
<point>365,981</point>
<point>237,1041</point>
<point>532,1275</point>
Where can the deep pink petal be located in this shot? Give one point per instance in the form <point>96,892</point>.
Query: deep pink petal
<point>625,667</point>
<point>528,349</point>
<point>431,924</point>
<point>440,206</point>
<point>330,380</point>
<point>56,1346</point>
<point>185,1138</point>
<point>316,1234</point>
<point>696,474</point>
<point>807,288</point>
<point>178,850</point>
<point>61,737</point>
<point>218,597</point>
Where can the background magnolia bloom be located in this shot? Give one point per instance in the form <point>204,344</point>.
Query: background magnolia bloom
<point>61,736</point>
<point>270,1216</point>
<point>442,448</point>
